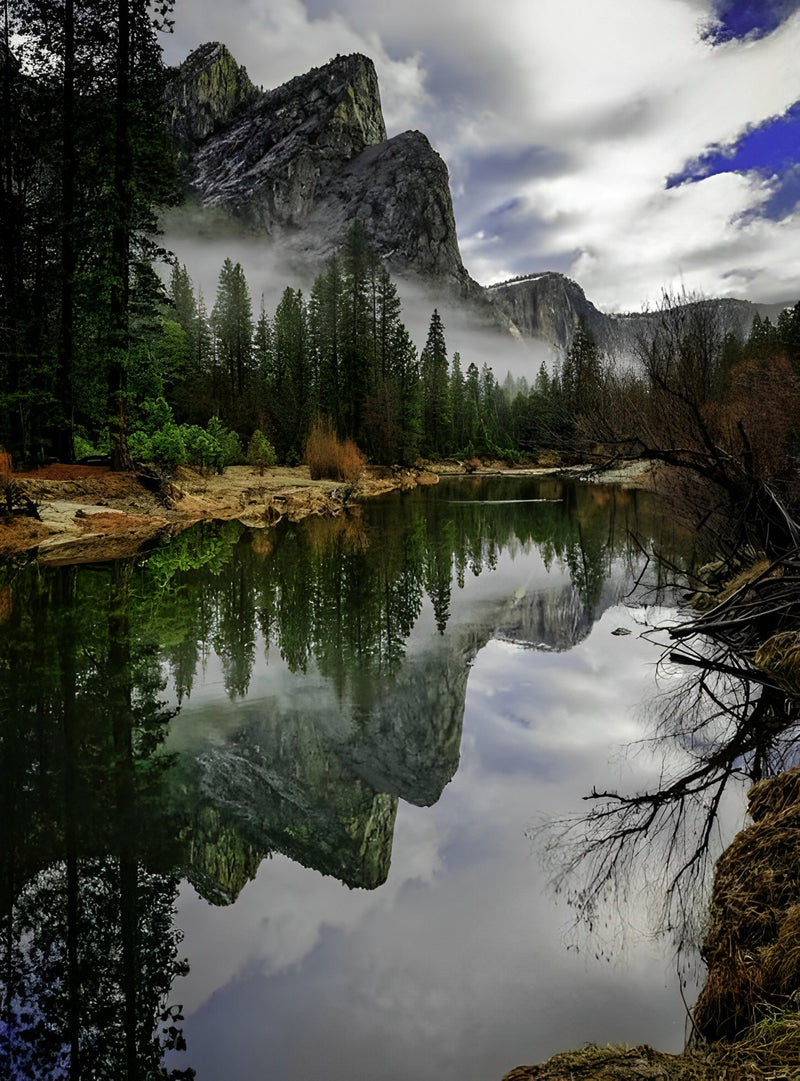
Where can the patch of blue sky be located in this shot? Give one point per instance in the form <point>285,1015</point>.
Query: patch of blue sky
<point>737,19</point>
<point>771,148</point>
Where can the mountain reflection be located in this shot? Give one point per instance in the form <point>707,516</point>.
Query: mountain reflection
<point>106,805</point>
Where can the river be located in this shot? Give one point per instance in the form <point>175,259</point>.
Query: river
<point>293,781</point>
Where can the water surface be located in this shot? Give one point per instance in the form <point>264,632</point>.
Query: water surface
<point>285,777</point>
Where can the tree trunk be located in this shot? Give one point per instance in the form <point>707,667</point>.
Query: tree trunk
<point>120,249</point>
<point>62,439</point>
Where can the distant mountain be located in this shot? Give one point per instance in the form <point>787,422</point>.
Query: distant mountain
<point>549,306</point>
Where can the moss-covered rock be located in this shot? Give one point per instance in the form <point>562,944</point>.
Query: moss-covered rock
<point>205,93</point>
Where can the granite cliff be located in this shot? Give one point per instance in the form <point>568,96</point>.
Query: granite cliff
<point>300,162</point>
<point>549,307</point>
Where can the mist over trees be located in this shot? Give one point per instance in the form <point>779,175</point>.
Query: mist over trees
<point>342,355</point>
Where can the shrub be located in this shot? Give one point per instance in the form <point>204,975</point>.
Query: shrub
<point>155,414</point>
<point>330,457</point>
<point>201,447</point>
<point>138,445</point>
<point>167,446</point>
<point>260,452</point>
<point>230,446</point>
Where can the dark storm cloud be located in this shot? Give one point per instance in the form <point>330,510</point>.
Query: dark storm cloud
<point>515,164</point>
<point>515,228</point>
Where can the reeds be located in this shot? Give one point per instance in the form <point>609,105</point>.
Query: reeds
<point>330,458</point>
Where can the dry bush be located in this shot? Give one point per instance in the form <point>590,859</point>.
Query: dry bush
<point>779,657</point>
<point>767,798</point>
<point>756,419</point>
<point>330,458</point>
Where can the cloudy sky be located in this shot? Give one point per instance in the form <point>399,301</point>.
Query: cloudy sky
<point>632,144</point>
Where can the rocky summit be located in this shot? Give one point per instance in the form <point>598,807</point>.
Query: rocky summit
<point>548,307</point>
<point>300,162</point>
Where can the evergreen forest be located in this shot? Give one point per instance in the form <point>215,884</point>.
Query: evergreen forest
<point>107,348</point>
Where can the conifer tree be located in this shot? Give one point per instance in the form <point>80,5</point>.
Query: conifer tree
<point>437,415</point>
<point>232,320</point>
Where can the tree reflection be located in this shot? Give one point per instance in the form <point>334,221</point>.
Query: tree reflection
<point>723,719</point>
<point>100,823</point>
<point>88,951</point>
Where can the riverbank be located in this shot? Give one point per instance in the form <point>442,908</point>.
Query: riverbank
<point>89,513</point>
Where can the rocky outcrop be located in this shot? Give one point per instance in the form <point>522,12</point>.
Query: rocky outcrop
<point>301,162</point>
<point>400,191</point>
<point>205,94</point>
<point>548,307</point>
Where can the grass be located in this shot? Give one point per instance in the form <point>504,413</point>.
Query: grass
<point>330,458</point>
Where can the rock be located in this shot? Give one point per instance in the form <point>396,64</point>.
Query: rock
<point>548,306</point>
<point>301,162</point>
<point>400,191</point>
<point>205,93</point>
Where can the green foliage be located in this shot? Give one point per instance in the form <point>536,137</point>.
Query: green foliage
<point>228,442</point>
<point>158,438</point>
<point>260,452</point>
<point>201,447</point>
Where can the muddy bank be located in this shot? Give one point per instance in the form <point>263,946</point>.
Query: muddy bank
<point>88,513</point>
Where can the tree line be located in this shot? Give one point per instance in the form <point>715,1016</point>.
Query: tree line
<point>342,353</point>
<point>87,163</point>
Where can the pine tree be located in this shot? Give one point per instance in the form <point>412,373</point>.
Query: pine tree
<point>437,415</point>
<point>289,386</point>
<point>325,314</point>
<point>232,321</point>
<point>458,404</point>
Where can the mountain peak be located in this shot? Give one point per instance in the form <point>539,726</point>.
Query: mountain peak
<point>205,93</point>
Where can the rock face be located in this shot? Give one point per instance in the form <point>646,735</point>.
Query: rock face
<point>400,190</point>
<point>301,162</point>
<point>206,93</point>
<point>548,307</point>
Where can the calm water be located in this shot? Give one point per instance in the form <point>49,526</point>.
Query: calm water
<point>285,778</point>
